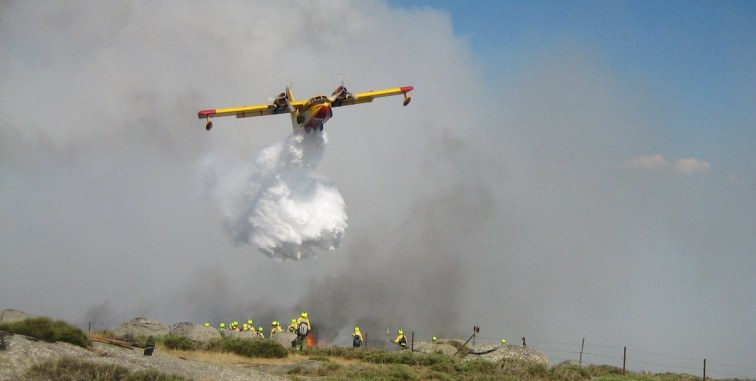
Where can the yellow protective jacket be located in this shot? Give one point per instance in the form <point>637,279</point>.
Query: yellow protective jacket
<point>398,340</point>
<point>358,333</point>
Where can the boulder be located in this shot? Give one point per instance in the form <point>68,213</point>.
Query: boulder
<point>482,349</point>
<point>504,352</point>
<point>195,332</point>
<point>240,334</point>
<point>13,315</point>
<point>284,338</point>
<point>434,347</point>
<point>141,327</point>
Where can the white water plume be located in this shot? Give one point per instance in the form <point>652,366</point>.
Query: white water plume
<point>278,203</point>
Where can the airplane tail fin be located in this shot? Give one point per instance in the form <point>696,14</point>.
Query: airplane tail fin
<point>295,113</point>
<point>289,93</point>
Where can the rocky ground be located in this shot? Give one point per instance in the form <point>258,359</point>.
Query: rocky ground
<point>18,353</point>
<point>21,353</point>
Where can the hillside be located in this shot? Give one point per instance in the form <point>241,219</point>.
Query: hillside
<point>48,357</point>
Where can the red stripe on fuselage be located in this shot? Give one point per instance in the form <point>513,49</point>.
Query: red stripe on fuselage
<point>321,115</point>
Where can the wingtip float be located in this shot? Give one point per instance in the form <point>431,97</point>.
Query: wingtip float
<point>310,114</point>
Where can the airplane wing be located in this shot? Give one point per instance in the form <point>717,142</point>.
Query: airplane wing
<point>368,96</point>
<point>249,111</point>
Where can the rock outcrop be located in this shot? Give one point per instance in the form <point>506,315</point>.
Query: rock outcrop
<point>284,338</point>
<point>195,332</point>
<point>441,346</point>
<point>141,327</point>
<point>240,334</point>
<point>492,352</point>
<point>22,353</point>
<point>13,315</point>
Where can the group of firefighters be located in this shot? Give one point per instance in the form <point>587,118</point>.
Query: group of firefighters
<point>301,327</point>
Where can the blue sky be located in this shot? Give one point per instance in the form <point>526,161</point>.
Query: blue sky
<point>695,58</point>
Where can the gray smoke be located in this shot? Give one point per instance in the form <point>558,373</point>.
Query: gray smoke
<point>410,275</point>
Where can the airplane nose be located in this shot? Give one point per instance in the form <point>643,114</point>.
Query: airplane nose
<point>324,113</point>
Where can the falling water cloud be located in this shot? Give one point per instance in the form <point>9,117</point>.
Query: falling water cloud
<point>278,204</point>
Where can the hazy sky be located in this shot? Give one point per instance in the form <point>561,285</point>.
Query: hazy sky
<point>565,170</point>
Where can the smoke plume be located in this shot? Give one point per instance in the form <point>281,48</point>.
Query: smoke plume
<point>278,204</point>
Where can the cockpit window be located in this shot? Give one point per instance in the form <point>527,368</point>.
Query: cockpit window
<point>317,99</point>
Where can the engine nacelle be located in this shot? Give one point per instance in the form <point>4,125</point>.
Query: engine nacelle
<point>209,124</point>
<point>407,99</point>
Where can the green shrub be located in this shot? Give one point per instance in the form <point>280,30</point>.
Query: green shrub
<point>478,366</point>
<point>254,347</point>
<point>142,341</point>
<point>153,375</point>
<point>602,370</point>
<point>570,373</point>
<point>43,328</point>
<point>177,342</point>
<point>75,369</point>
<point>443,376</point>
<point>398,357</point>
<point>214,345</point>
<point>68,368</point>
<point>537,370</point>
<point>402,372</point>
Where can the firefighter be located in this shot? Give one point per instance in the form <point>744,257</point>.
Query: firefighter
<point>303,328</point>
<point>401,339</point>
<point>357,337</point>
<point>275,327</point>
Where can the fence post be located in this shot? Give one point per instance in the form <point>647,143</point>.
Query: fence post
<point>366,337</point>
<point>412,344</point>
<point>580,362</point>
<point>704,375</point>
<point>624,360</point>
<point>523,342</point>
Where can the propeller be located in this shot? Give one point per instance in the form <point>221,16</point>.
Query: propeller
<point>283,97</point>
<point>341,92</point>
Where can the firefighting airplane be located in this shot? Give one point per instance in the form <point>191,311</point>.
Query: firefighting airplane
<point>310,114</point>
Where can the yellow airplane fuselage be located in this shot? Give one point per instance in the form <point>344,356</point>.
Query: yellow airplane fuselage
<point>313,114</point>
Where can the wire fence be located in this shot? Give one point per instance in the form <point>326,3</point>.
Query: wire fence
<point>629,358</point>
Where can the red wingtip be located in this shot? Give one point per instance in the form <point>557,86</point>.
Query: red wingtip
<point>205,113</point>
<point>406,89</point>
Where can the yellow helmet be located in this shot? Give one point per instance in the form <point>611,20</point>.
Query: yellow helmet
<point>356,329</point>
<point>503,341</point>
<point>303,314</point>
<point>401,332</point>
<point>260,329</point>
<point>293,320</point>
